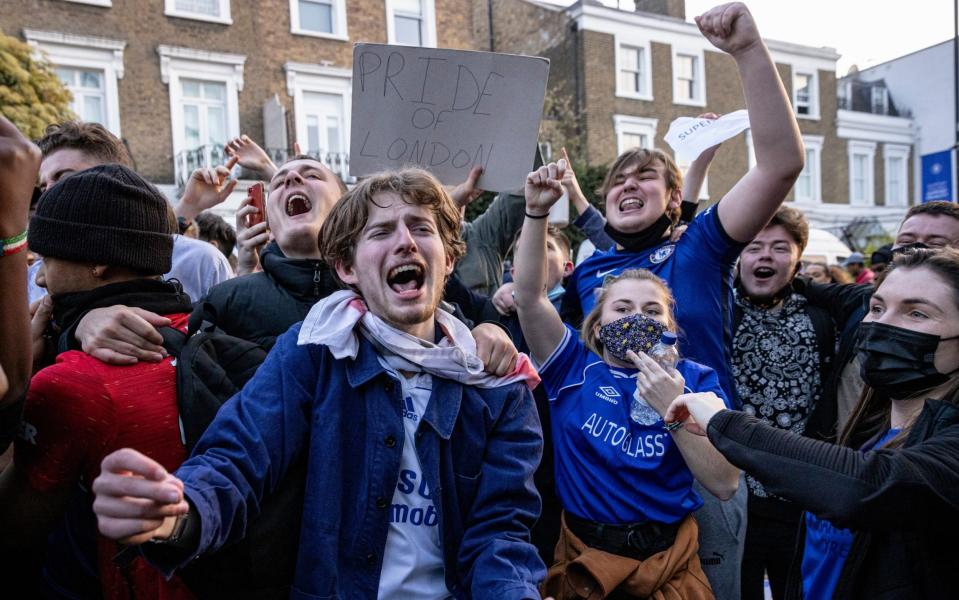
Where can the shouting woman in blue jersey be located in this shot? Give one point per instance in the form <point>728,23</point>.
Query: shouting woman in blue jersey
<point>883,505</point>
<point>625,484</point>
<point>643,194</point>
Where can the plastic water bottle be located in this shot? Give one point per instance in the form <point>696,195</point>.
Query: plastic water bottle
<point>667,355</point>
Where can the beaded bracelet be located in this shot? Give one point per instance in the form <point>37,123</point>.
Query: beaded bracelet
<point>671,427</point>
<point>14,244</point>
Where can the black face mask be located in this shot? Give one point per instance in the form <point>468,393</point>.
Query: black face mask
<point>647,238</point>
<point>898,362</point>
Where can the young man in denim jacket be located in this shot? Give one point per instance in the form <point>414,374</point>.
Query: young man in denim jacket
<point>420,464</point>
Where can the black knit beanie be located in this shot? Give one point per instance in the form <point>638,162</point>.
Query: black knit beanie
<point>107,215</point>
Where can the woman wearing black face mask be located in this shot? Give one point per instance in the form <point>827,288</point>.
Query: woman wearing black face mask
<point>882,506</point>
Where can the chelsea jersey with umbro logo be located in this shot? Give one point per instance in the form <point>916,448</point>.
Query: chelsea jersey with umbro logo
<point>610,469</point>
<point>699,271</point>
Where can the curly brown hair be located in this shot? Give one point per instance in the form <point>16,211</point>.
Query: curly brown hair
<point>342,228</point>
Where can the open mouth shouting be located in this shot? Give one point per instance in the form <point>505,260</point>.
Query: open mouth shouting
<point>406,280</point>
<point>298,204</point>
<point>764,273</point>
<point>631,204</point>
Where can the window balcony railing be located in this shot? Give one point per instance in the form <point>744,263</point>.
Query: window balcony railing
<point>338,162</point>
<point>213,155</point>
<point>190,160</point>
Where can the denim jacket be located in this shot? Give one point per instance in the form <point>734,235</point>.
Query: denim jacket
<point>478,449</point>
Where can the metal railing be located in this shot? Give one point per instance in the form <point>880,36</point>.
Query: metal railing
<point>213,155</point>
<point>184,163</point>
<point>338,162</point>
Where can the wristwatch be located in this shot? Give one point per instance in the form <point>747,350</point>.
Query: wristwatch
<point>179,526</point>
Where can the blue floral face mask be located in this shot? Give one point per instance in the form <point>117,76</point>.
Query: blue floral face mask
<point>635,332</point>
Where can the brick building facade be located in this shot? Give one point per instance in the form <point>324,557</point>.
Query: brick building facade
<point>176,78</point>
<point>631,73</point>
<point>171,76</point>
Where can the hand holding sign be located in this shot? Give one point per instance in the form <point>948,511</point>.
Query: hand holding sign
<point>446,111</point>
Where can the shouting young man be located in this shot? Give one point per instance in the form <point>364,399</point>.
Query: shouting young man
<point>420,464</point>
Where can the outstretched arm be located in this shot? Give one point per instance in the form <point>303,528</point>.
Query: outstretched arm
<point>542,327</point>
<point>904,487</point>
<point>747,208</point>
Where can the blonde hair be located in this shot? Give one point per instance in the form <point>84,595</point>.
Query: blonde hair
<point>341,230</point>
<point>587,333</point>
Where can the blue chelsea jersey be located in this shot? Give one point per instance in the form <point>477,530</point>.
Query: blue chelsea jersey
<point>610,469</point>
<point>699,271</point>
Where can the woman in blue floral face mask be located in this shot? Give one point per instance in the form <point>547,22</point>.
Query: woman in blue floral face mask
<point>882,506</point>
<point>625,485</point>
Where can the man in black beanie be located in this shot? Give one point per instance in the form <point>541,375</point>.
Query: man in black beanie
<point>106,238</point>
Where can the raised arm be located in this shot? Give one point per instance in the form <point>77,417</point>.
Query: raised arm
<point>206,188</point>
<point>541,324</point>
<point>19,164</point>
<point>747,208</point>
<point>696,174</point>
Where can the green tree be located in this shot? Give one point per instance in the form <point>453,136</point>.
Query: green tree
<point>31,94</point>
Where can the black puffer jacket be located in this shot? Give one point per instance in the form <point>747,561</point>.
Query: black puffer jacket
<point>261,306</point>
<point>901,504</point>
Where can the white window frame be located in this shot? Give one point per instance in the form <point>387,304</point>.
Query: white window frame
<point>867,149</point>
<point>883,96</point>
<point>813,93</point>
<point>224,18</point>
<point>891,151</point>
<point>429,23</point>
<point>178,63</point>
<point>86,52</point>
<point>306,77</point>
<point>623,124</point>
<point>647,68</point>
<point>106,3</point>
<point>813,165</point>
<point>699,98</point>
<point>340,31</point>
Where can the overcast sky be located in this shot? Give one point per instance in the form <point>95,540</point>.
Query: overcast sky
<point>864,32</point>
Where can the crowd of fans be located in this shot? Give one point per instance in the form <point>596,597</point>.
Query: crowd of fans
<point>371,429</point>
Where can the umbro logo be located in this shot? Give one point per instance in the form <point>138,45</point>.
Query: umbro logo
<point>608,394</point>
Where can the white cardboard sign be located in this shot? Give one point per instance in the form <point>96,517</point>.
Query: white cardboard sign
<point>690,136</point>
<point>445,111</point>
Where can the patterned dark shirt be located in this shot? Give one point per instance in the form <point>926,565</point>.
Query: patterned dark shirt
<point>776,367</point>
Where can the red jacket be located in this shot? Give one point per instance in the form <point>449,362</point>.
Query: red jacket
<point>80,409</point>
